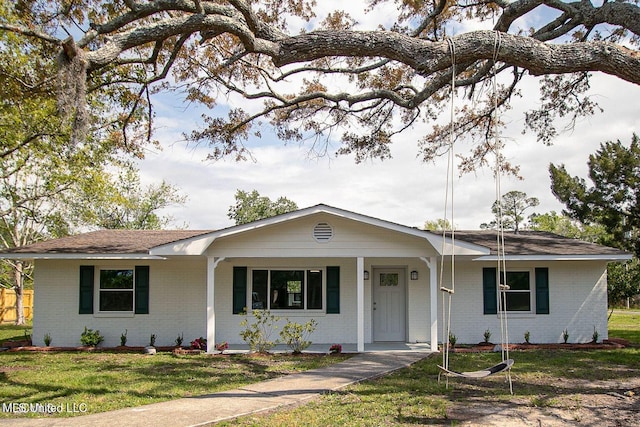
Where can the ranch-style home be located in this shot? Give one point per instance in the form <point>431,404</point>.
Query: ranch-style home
<point>364,280</point>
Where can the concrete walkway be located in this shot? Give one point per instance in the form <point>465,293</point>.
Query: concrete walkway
<point>284,391</point>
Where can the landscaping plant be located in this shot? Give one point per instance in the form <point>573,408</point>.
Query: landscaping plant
<point>222,346</point>
<point>452,340</point>
<point>258,334</point>
<point>179,340</point>
<point>91,338</point>
<point>123,338</point>
<point>47,339</point>
<point>295,335</point>
<point>199,344</point>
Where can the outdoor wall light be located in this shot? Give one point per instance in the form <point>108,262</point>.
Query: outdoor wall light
<point>414,275</point>
<point>366,275</point>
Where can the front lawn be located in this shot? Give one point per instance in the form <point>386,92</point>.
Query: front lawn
<point>625,324</point>
<point>10,331</point>
<point>551,387</point>
<point>104,381</point>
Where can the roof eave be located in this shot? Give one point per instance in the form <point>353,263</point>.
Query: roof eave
<point>79,256</point>
<point>594,257</point>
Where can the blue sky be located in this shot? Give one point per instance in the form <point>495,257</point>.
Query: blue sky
<point>402,189</point>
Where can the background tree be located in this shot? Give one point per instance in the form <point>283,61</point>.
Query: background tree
<point>116,202</point>
<point>41,163</point>
<point>280,59</point>
<point>509,211</point>
<point>564,225</point>
<point>612,201</point>
<point>252,206</point>
<point>440,224</point>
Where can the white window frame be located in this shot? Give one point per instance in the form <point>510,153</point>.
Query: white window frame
<point>98,290</point>
<point>531,292</point>
<point>289,311</point>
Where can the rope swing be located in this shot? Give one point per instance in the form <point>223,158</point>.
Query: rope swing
<point>448,250</point>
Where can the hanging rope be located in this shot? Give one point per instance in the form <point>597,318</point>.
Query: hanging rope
<point>503,287</point>
<point>447,293</point>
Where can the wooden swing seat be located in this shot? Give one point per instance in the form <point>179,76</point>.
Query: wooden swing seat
<point>500,367</point>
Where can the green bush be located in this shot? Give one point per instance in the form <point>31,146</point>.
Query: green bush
<point>295,335</point>
<point>258,334</point>
<point>91,338</point>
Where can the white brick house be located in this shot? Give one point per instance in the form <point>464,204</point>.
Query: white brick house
<point>363,280</point>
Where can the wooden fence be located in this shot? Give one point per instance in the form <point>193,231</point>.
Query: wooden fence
<point>8,305</point>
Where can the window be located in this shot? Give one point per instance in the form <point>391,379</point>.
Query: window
<point>123,290</point>
<point>116,290</point>
<point>523,290</point>
<point>518,295</point>
<point>286,289</point>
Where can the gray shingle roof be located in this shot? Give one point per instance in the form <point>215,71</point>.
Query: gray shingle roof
<point>535,243</point>
<point>109,242</point>
<point>142,241</point>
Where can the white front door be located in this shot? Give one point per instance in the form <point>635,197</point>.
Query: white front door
<point>389,304</point>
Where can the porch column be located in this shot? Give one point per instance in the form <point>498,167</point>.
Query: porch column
<point>212,263</point>
<point>360,302</point>
<point>432,264</point>
<point>433,284</point>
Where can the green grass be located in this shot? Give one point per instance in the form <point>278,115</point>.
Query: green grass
<point>13,332</point>
<point>413,396</point>
<point>546,379</point>
<point>625,324</point>
<point>105,381</point>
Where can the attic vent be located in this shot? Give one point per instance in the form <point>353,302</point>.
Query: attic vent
<point>322,232</point>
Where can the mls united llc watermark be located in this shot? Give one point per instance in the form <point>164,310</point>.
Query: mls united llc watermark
<point>43,408</point>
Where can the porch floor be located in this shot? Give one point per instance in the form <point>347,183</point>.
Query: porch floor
<point>378,347</point>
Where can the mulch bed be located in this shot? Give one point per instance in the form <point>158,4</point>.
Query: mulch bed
<point>610,344</point>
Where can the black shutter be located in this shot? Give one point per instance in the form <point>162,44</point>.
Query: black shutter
<point>489,291</point>
<point>86,289</point>
<point>333,290</point>
<point>542,291</point>
<point>239,289</point>
<point>142,289</point>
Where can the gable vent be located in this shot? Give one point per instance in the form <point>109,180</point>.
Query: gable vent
<point>322,232</point>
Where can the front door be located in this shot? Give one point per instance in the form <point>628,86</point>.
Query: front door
<point>389,304</point>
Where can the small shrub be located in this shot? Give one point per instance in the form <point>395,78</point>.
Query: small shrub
<point>487,335</point>
<point>91,338</point>
<point>123,338</point>
<point>295,335</point>
<point>258,334</point>
<point>527,337</point>
<point>179,340</point>
<point>47,339</point>
<point>452,340</point>
<point>199,344</point>
<point>595,335</point>
<point>565,336</point>
<point>335,349</point>
<point>152,340</point>
<point>222,346</point>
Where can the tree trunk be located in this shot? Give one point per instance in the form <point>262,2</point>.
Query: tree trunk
<point>18,287</point>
